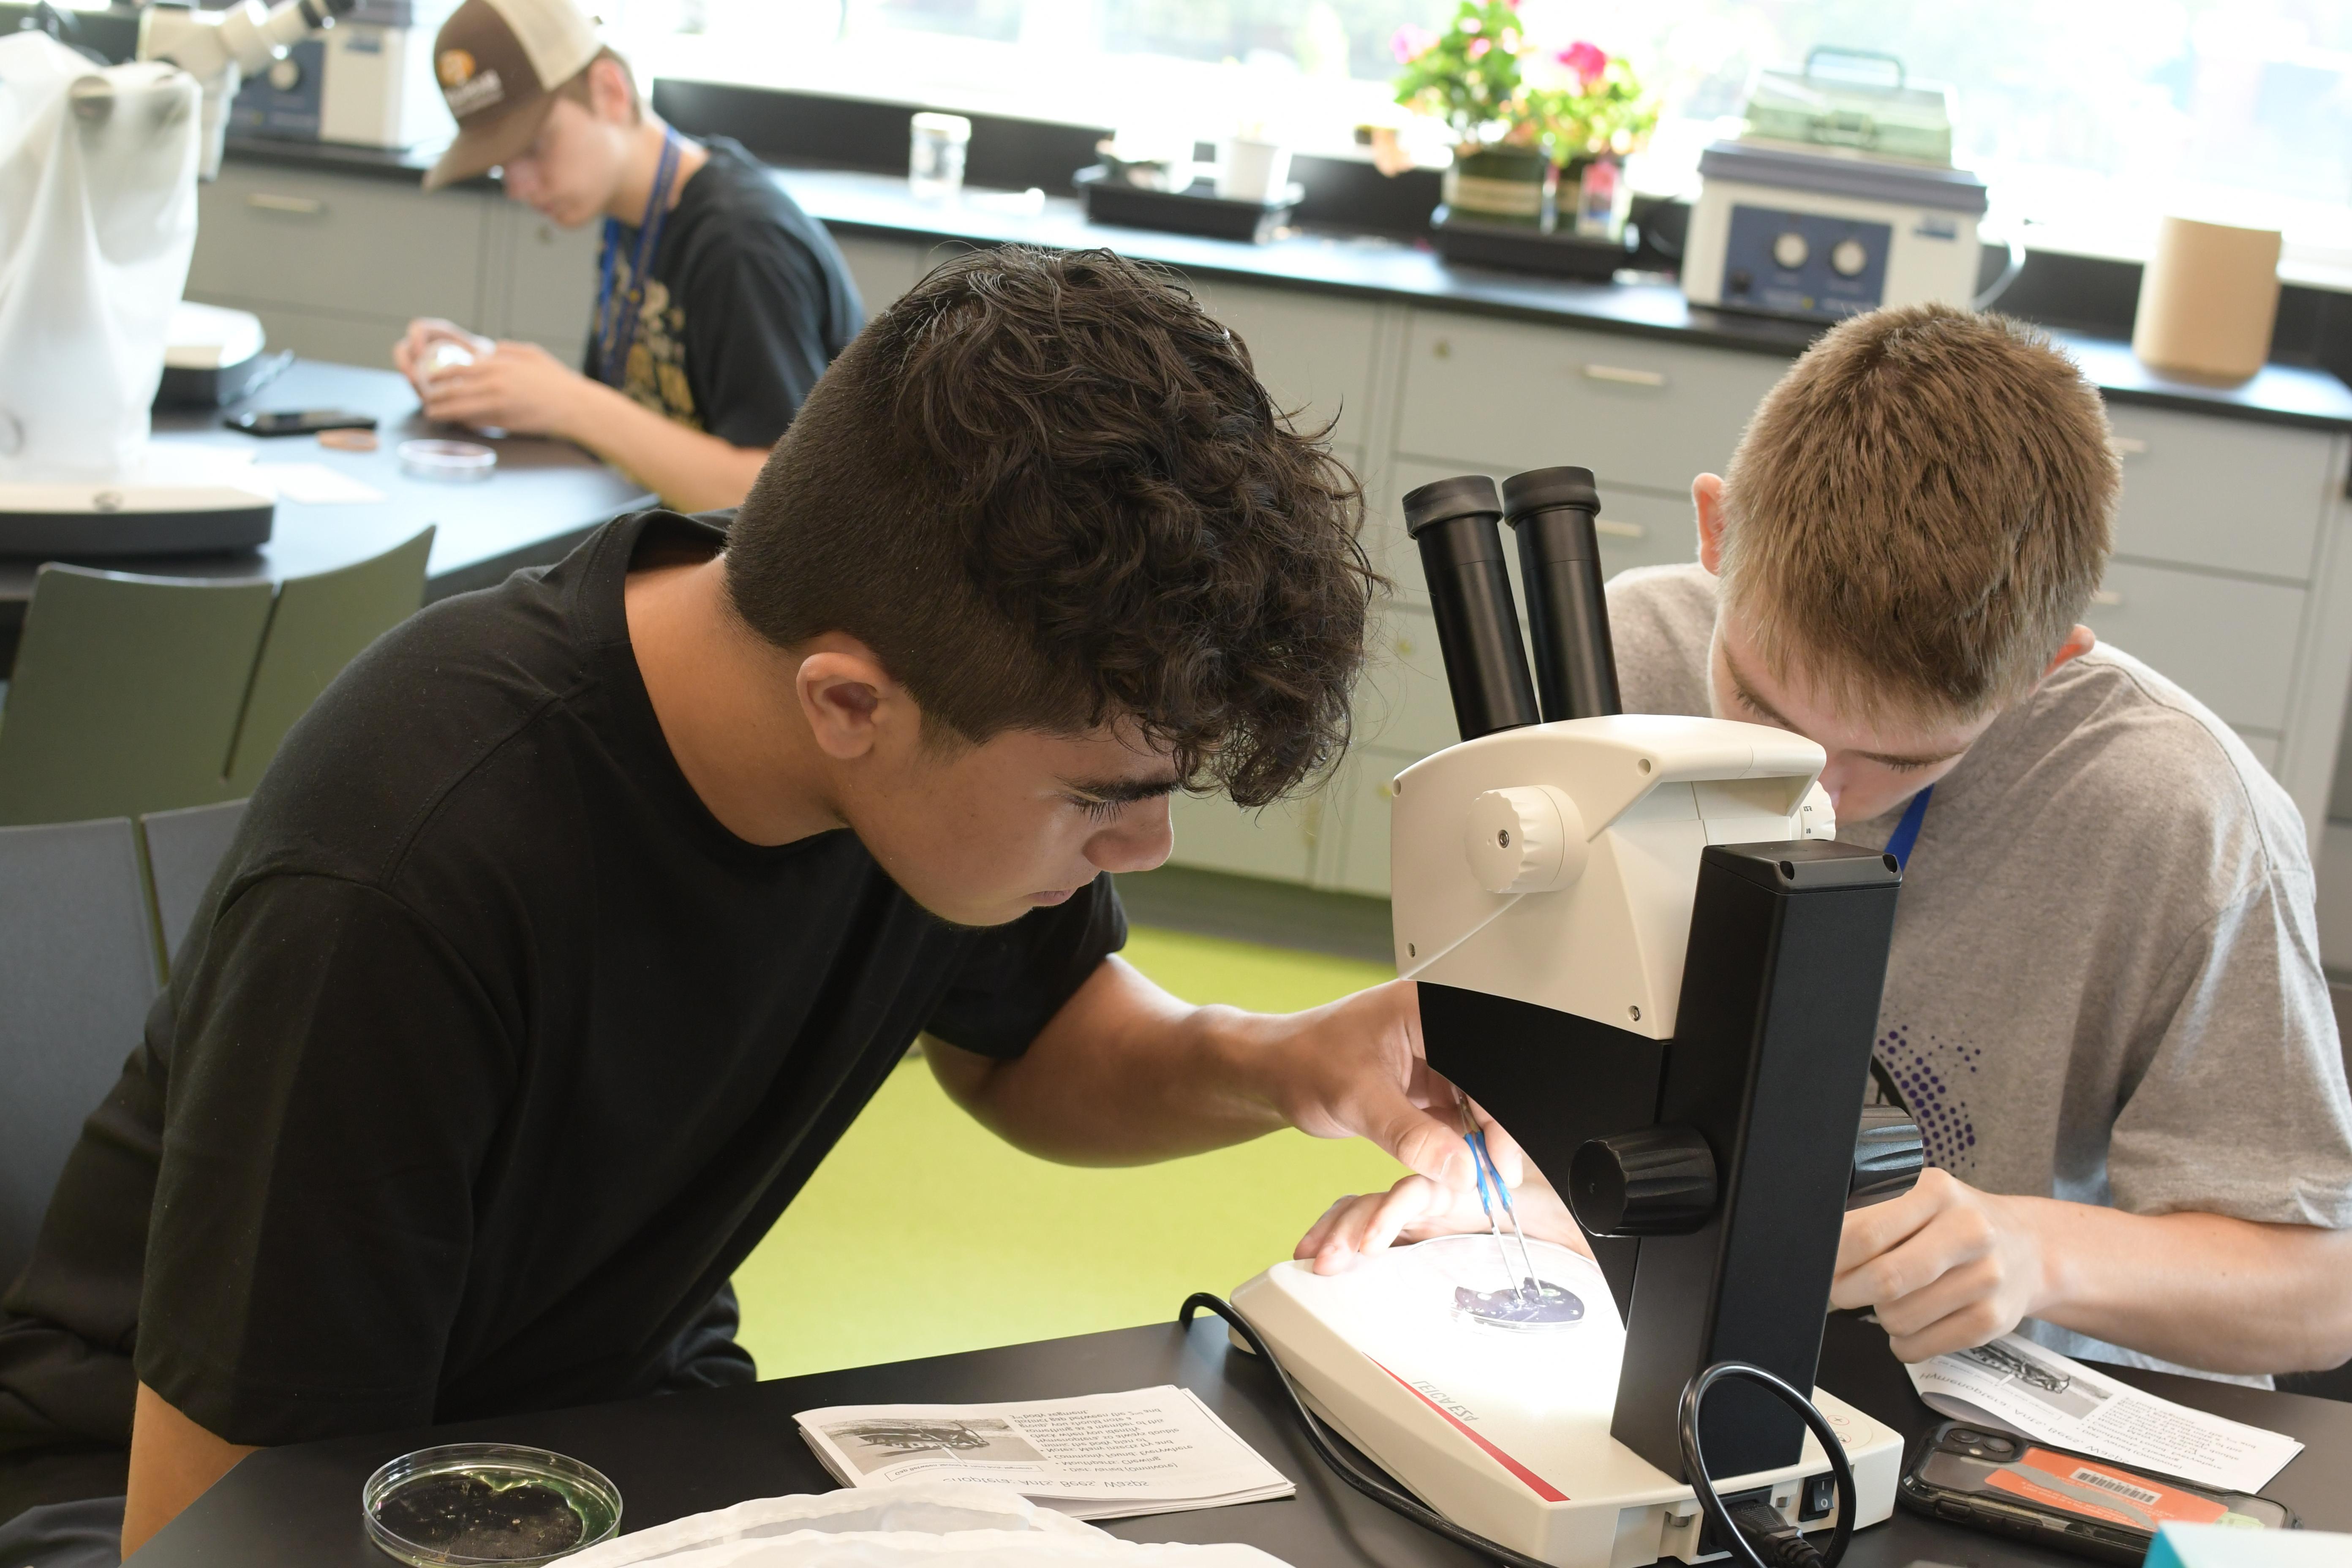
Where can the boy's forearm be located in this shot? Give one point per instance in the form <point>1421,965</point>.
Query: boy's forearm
<point>1124,1074</point>
<point>690,470</point>
<point>2226,1295</point>
<point>173,1461</point>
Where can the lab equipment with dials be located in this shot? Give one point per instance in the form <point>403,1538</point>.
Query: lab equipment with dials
<point>367,82</point>
<point>1840,198</point>
<point>1638,943</point>
<point>99,167</point>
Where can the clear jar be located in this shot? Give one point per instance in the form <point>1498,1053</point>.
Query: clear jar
<point>935,156</point>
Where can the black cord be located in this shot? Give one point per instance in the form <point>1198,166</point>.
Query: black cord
<point>1378,1489</point>
<point>1790,1549</point>
<point>1381,1491</point>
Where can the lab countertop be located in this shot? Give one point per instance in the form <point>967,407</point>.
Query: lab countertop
<point>545,497</point>
<point>1374,267</point>
<point>687,1453</point>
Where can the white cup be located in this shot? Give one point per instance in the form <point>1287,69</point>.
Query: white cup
<point>1253,170</point>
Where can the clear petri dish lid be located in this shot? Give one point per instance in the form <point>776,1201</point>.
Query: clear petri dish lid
<point>470,1505</point>
<point>447,459</point>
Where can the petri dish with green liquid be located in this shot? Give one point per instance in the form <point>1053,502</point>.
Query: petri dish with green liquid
<point>467,1505</point>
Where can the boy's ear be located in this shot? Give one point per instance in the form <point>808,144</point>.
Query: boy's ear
<point>2079,641</point>
<point>842,692</point>
<point>1706,500</point>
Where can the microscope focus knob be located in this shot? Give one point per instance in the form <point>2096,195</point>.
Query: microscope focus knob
<point>1657,1182</point>
<point>1525,840</point>
<point>1888,1155</point>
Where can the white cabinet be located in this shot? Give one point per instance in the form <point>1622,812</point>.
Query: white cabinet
<point>2227,494</point>
<point>1313,352</point>
<point>1637,411</point>
<point>882,269</point>
<point>550,285</point>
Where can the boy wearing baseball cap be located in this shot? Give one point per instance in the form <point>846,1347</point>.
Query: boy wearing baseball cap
<point>719,301</point>
<point>2103,1004</point>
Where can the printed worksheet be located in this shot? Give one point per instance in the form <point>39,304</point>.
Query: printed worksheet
<point>1106,1455</point>
<point>2016,1385</point>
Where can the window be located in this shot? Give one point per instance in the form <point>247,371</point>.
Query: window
<point>2087,118</point>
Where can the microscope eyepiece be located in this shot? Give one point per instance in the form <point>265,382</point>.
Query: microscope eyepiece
<point>1554,513</point>
<point>1455,523</point>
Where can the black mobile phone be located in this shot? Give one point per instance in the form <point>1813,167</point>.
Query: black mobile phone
<point>2014,1486</point>
<point>300,421</point>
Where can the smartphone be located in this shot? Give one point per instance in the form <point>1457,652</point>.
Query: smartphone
<point>2014,1486</point>
<point>300,421</point>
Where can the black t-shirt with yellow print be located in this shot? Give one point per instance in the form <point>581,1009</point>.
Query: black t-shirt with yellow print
<point>749,301</point>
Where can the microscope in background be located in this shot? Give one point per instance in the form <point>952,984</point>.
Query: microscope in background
<point>104,163</point>
<point>1639,947</point>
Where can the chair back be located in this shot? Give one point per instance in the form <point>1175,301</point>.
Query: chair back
<point>126,693</point>
<point>78,973</point>
<point>184,849</point>
<point>321,625</point>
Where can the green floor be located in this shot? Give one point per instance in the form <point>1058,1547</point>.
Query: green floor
<point>923,1233</point>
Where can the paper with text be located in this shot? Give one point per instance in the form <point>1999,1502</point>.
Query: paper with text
<point>1104,1456</point>
<point>2016,1385</point>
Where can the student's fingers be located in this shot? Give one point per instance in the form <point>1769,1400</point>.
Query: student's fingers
<point>1419,1140</point>
<point>1976,1317</point>
<point>1958,1235</point>
<point>1357,1226</point>
<point>1967,1282</point>
<point>1881,1227</point>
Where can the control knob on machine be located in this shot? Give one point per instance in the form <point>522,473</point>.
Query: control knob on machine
<point>1527,841</point>
<point>1790,249</point>
<point>1888,1154</point>
<point>1657,1182</point>
<point>1848,257</point>
<point>285,74</point>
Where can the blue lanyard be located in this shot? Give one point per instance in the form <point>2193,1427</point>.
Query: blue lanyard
<point>616,314</point>
<point>1906,832</point>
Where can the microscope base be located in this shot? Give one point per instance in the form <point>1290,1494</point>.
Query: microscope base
<point>177,502</point>
<point>1504,1428</point>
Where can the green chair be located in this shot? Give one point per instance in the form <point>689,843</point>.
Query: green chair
<point>133,695</point>
<point>126,693</point>
<point>321,625</point>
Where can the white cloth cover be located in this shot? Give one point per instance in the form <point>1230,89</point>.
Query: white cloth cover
<point>97,217</point>
<point>915,1524</point>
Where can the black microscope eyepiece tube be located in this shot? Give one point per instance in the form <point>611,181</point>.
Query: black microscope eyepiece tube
<point>1553,511</point>
<point>1455,523</point>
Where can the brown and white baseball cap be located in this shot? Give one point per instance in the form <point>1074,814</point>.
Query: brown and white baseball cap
<point>499,63</point>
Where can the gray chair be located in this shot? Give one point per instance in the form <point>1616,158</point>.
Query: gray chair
<point>319,625</point>
<point>183,849</point>
<point>141,694</point>
<point>126,693</point>
<point>77,973</point>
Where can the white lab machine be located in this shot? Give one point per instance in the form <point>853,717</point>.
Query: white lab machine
<point>367,82</point>
<point>1840,198</point>
<point>1639,946</point>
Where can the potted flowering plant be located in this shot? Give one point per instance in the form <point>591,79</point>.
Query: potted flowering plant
<point>1516,111</point>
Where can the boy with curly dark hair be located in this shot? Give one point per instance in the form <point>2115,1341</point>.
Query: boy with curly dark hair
<point>581,917</point>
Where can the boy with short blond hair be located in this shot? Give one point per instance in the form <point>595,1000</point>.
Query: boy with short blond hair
<point>2104,1003</point>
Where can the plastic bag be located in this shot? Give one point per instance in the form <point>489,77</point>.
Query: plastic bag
<point>917,1524</point>
<point>98,219</point>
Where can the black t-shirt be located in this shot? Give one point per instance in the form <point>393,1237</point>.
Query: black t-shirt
<point>748,302</point>
<point>491,1056</point>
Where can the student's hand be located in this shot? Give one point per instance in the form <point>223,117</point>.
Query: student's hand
<point>517,387</point>
<point>1948,1267</point>
<point>409,355</point>
<point>1355,1070</point>
<point>1417,1208</point>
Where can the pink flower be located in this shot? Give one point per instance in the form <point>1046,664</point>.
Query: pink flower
<point>1409,42</point>
<point>1586,61</point>
<point>1479,47</point>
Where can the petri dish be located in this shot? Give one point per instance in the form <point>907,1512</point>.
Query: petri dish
<point>447,459</point>
<point>469,1505</point>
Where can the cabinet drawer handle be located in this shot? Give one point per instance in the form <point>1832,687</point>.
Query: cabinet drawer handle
<point>268,202</point>
<point>2128,445</point>
<point>2106,597</point>
<point>1610,528</point>
<point>1624,375</point>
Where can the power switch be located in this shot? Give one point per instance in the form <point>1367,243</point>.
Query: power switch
<point>1820,1498</point>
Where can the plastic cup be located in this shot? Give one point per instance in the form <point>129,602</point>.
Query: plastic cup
<point>935,156</point>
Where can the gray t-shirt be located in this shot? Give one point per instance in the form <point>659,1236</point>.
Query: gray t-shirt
<point>2105,983</point>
